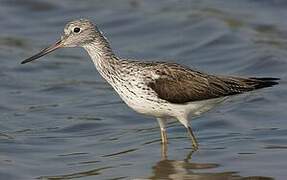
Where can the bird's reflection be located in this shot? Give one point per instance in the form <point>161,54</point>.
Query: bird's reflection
<point>187,170</point>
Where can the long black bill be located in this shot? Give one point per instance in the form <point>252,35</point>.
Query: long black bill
<point>45,51</point>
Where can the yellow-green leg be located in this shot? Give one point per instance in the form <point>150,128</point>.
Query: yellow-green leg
<point>163,134</point>
<point>193,138</point>
<point>184,120</point>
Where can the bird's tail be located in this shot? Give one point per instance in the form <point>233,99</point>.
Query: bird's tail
<point>264,82</point>
<point>237,85</point>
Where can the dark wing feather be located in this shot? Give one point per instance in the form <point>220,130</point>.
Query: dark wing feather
<point>178,84</point>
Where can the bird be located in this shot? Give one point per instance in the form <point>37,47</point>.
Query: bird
<point>159,89</point>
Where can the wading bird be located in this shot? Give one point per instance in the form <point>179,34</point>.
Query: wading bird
<point>160,89</point>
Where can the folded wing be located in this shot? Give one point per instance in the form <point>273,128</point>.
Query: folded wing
<point>178,84</point>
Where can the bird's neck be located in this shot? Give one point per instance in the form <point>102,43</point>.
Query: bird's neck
<point>103,57</point>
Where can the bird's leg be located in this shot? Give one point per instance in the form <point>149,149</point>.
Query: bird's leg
<point>193,138</point>
<point>184,120</point>
<point>163,151</point>
<point>163,134</point>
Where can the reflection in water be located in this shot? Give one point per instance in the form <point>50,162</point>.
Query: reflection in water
<point>184,170</point>
<point>166,169</point>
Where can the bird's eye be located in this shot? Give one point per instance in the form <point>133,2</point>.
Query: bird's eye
<point>76,30</point>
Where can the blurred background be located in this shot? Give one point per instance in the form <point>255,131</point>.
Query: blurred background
<point>60,120</point>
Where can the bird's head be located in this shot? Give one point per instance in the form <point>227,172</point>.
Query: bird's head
<point>76,33</point>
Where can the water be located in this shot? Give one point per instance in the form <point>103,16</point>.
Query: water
<point>60,120</point>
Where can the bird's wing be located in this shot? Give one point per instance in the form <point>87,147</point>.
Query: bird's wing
<point>178,84</point>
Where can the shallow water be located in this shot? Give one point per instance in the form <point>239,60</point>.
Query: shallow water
<point>60,120</point>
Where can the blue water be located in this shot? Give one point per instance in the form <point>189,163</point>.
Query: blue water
<point>60,120</point>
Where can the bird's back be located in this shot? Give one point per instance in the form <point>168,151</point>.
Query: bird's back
<point>179,84</point>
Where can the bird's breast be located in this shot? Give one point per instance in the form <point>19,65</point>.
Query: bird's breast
<point>137,95</point>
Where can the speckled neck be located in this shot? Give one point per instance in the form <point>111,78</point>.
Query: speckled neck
<point>103,57</point>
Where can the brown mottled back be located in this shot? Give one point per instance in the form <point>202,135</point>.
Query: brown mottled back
<point>178,84</point>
